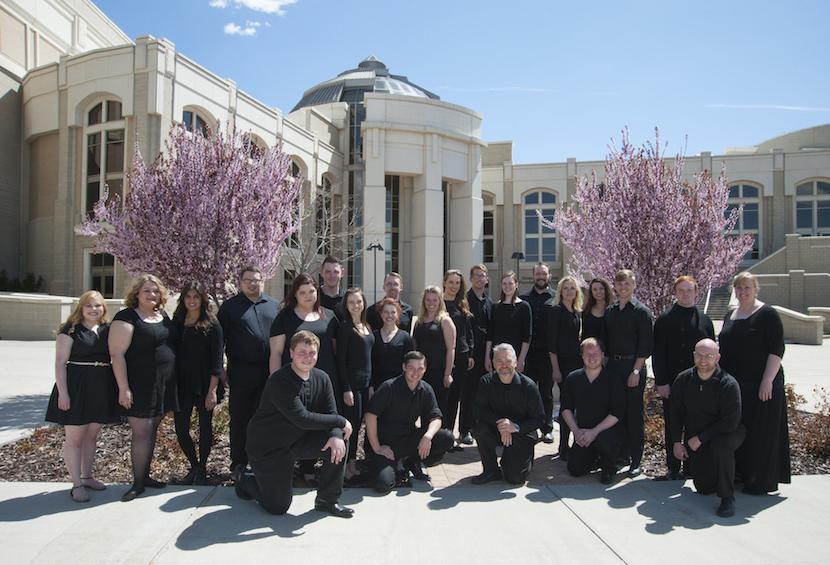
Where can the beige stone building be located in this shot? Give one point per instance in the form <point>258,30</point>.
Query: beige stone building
<point>429,189</point>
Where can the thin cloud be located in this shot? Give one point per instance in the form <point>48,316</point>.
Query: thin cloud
<point>252,24</point>
<point>493,89</point>
<point>768,107</point>
<point>233,29</point>
<point>266,6</point>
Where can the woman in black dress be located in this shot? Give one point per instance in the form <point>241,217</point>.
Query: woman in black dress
<point>563,344</point>
<point>434,336</point>
<point>83,398</point>
<point>354,367</point>
<point>510,322</point>
<point>391,344</point>
<point>599,296</point>
<point>455,300</point>
<point>751,347</point>
<point>199,363</point>
<point>142,343</point>
<point>301,310</point>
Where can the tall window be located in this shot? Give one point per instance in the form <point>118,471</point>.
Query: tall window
<point>356,242</point>
<point>102,274</point>
<point>540,241</point>
<point>105,153</point>
<point>812,208</point>
<point>489,238</point>
<point>750,219</point>
<point>393,200</point>
<point>192,120</point>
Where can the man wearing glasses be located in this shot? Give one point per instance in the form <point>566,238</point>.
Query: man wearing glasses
<point>246,322</point>
<point>706,424</point>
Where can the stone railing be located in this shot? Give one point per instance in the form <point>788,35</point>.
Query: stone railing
<point>31,317</point>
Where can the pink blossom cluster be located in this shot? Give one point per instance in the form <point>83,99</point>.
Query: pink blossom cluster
<point>645,218</point>
<point>205,208</point>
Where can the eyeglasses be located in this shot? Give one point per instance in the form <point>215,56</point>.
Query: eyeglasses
<point>479,277</point>
<point>252,281</point>
<point>709,357</point>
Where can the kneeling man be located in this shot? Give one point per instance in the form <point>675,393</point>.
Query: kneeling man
<point>593,403</point>
<point>296,419</point>
<point>508,409</point>
<point>398,444</point>
<point>706,408</point>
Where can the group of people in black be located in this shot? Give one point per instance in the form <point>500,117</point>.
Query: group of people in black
<point>306,374</point>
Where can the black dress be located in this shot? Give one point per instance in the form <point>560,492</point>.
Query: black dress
<point>325,328</point>
<point>429,339</point>
<point>591,325</point>
<point>763,460</point>
<point>199,356</point>
<point>92,391</point>
<point>387,357</point>
<point>511,323</point>
<point>151,365</point>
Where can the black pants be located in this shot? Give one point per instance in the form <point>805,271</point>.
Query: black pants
<point>605,447</point>
<point>516,460</point>
<point>270,482</point>
<point>181,420</point>
<point>354,414</point>
<point>566,366</point>
<point>459,376</point>
<point>713,464</point>
<point>247,383</point>
<point>538,368</point>
<point>468,393</point>
<point>634,421</point>
<point>672,463</point>
<point>383,469</point>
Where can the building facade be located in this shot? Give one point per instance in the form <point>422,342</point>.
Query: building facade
<point>425,185</point>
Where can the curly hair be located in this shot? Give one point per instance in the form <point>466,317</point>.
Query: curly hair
<point>131,298</point>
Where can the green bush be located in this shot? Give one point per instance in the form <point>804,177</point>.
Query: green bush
<point>28,284</point>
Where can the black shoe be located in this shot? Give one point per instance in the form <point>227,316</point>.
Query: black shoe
<point>201,476</point>
<point>635,471</point>
<point>189,478</point>
<point>607,478</point>
<point>416,467</point>
<point>333,508</point>
<point>486,477</point>
<point>675,476</point>
<point>355,481</point>
<point>563,455</point>
<point>152,483</point>
<point>467,439</point>
<point>547,437</point>
<point>134,491</point>
<point>727,507</point>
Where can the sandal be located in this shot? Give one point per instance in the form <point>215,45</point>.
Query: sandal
<point>94,485</point>
<point>79,498</point>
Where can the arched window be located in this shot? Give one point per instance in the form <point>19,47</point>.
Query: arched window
<point>192,120</point>
<point>489,225</point>
<point>105,152</point>
<point>540,242</point>
<point>750,219</point>
<point>812,207</point>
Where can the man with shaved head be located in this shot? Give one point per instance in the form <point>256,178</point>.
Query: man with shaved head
<point>706,424</point>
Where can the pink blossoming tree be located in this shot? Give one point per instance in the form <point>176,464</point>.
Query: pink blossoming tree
<point>205,208</point>
<point>644,217</point>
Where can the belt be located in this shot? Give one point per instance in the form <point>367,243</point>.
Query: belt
<point>622,357</point>
<point>89,363</point>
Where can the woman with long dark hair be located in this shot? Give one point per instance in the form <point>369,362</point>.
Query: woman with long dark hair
<point>83,398</point>
<point>199,371</point>
<point>142,343</point>
<point>599,297</point>
<point>455,300</point>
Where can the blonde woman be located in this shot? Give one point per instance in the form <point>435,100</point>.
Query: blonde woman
<point>83,399</point>
<point>434,336</point>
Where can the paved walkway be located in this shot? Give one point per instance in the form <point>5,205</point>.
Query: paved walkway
<point>560,520</point>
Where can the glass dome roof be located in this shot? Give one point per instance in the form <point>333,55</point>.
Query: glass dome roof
<point>371,75</point>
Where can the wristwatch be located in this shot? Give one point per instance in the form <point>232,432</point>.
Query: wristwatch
<point>636,371</point>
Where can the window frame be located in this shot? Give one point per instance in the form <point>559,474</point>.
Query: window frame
<point>814,199</point>
<point>543,233</point>
<point>103,129</point>
<point>754,201</point>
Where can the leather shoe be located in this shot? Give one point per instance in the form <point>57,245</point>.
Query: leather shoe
<point>727,507</point>
<point>467,439</point>
<point>635,471</point>
<point>416,467</point>
<point>333,508</point>
<point>134,491</point>
<point>606,478</point>
<point>486,477</point>
<point>240,489</point>
<point>152,483</point>
<point>547,438</point>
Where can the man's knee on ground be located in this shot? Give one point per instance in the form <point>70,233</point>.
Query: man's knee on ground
<point>273,508</point>
<point>385,480</point>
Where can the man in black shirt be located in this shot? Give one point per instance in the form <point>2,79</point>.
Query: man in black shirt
<point>509,410</point>
<point>593,403</point>
<point>628,335</point>
<point>330,295</point>
<point>481,307</point>
<point>297,419</point>
<point>676,332</point>
<point>399,445</point>
<point>537,364</point>
<point>706,409</point>
<point>392,285</point>
<point>246,324</point>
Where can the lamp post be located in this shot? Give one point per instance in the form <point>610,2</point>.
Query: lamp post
<point>375,247</point>
<point>518,256</point>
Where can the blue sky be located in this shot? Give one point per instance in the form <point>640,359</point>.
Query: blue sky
<point>558,78</point>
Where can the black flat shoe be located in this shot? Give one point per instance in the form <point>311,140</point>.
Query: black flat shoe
<point>201,476</point>
<point>607,478</point>
<point>333,508</point>
<point>152,483</point>
<point>417,469</point>
<point>189,478</point>
<point>727,507</point>
<point>134,491</point>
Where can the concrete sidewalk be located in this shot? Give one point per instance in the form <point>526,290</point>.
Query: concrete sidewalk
<point>639,522</point>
